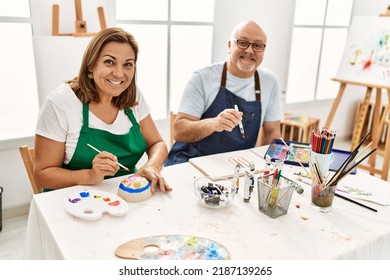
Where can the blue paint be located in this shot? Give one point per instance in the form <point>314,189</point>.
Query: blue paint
<point>129,190</point>
<point>213,252</point>
<point>84,194</point>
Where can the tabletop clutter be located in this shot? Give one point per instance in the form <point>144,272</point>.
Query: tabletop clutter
<point>274,188</point>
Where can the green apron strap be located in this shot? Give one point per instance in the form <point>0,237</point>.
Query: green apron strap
<point>130,114</point>
<point>85,114</point>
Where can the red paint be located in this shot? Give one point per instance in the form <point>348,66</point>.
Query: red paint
<point>114,203</point>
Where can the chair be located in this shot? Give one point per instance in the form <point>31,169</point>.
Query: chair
<point>28,156</point>
<point>172,117</point>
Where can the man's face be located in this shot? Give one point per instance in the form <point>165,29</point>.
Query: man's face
<point>243,62</point>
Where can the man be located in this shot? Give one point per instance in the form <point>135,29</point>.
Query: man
<point>207,121</point>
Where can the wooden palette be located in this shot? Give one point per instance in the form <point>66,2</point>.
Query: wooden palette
<point>172,247</point>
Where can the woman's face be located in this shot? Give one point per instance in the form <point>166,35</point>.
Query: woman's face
<point>114,69</point>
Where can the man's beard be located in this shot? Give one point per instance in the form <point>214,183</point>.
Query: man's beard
<point>246,66</point>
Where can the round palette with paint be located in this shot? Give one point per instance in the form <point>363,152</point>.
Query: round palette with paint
<point>91,204</point>
<point>172,247</point>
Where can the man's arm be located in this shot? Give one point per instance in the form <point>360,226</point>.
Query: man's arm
<point>189,129</point>
<point>271,130</point>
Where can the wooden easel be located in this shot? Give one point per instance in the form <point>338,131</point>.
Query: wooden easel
<point>379,120</point>
<point>81,25</point>
<point>378,123</point>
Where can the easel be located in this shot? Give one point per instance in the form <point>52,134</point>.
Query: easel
<point>378,123</point>
<point>379,120</point>
<point>81,25</point>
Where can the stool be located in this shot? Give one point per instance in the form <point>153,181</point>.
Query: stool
<point>298,128</point>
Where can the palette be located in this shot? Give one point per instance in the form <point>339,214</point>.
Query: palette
<point>172,247</point>
<point>91,204</point>
<point>297,152</point>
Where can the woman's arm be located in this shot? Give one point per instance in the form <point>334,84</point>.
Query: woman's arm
<point>48,171</point>
<point>157,154</point>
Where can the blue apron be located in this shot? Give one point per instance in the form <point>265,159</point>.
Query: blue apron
<point>225,141</point>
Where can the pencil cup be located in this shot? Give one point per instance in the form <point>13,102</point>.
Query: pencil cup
<point>322,196</point>
<point>324,161</point>
<point>273,202</point>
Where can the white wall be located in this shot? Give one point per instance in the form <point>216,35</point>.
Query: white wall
<point>275,17</point>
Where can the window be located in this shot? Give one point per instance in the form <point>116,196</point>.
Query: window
<point>175,39</point>
<point>319,36</point>
<point>19,94</point>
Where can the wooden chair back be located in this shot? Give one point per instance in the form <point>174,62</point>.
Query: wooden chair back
<point>28,156</point>
<point>172,117</point>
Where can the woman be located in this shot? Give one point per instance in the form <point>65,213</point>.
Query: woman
<point>102,108</point>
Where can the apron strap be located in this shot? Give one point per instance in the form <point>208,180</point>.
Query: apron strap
<point>130,114</point>
<point>85,114</point>
<point>257,86</point>
<point>224,73</point>
<point>257,82</point>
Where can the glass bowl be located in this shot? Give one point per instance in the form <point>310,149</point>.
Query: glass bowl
<point>214,194</point>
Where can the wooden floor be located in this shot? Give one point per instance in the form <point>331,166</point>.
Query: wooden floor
<point>13,234</point>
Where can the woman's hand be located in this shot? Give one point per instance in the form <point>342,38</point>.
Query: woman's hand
<point>153,175</point>
<point>104,164</point>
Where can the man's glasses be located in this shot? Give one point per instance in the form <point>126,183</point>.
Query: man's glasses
<point>244,44</point>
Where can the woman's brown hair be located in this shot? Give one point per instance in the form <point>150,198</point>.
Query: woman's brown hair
<point>85,88</point>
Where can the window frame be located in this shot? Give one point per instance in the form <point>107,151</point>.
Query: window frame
<point>168,23</point>
<point>11,143</point>
<point>323,27</point>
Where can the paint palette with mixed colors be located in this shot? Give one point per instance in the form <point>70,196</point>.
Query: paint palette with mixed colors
<point>297,152</point>
<point>172,247</point>
<point>91,204</point>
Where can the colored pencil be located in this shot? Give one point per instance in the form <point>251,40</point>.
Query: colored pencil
<point>322,140</point>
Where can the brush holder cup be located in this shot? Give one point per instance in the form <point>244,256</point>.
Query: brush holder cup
<point>322,196</point>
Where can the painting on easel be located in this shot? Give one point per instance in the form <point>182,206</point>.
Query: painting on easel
<point>366,57</point>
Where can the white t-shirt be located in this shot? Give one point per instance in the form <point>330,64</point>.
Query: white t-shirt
<point>61,118</point>
<point>204,85</point>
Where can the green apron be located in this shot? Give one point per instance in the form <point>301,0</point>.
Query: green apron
<point>128,148</point>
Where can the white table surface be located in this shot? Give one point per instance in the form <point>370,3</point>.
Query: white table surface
<point>348,232</point>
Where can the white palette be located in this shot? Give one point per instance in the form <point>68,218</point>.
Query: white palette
<point>91,204</point>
